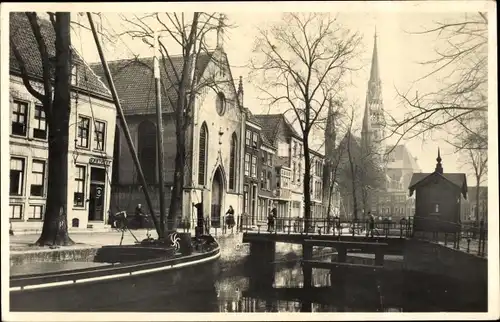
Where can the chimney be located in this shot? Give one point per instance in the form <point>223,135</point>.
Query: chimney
<point>439,166</point>
<point>240,91</point>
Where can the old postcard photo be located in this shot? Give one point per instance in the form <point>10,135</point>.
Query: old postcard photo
<point>228,161</point>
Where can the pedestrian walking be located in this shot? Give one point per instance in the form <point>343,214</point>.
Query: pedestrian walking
<point>139,216</point>
<point>230,218</point>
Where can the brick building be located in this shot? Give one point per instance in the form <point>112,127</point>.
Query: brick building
<point>91,132</point>
<point>215,135</point>
<point>438,199</point>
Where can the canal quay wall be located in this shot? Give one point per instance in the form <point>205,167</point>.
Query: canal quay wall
<point>436,259</point>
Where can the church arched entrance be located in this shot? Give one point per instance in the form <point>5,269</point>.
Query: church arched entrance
<point>217,189</point>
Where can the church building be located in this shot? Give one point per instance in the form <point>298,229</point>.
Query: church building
<point>383,192</point>
<point>213,137</point>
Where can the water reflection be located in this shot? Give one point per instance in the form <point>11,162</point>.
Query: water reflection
<point>394,292</point>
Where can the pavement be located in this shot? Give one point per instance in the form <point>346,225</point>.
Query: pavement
<point>90,239</point>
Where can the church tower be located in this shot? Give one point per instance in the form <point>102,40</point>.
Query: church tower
<point>373,120</point>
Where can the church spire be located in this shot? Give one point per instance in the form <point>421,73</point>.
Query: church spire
<point>374,73</point>
<point>439,166</point>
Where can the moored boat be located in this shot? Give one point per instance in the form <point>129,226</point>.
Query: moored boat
<point>147,273</point>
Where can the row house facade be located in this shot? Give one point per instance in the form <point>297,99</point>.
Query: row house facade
<point>252,169</point>
<point>91,136</point>
<point>317,167</point>
<point>268,188</point>
<point>284,166</point>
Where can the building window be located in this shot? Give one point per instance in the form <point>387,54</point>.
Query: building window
<point>16,176</point>
<point>16,212</point>
<point>294,172</point>
<point>202,154</point>
<point>300,172</point>
<point>268,181</point>
<point>19,118</point>
<point>263,179</point>
<point>254,166</point>
<point>248,137</point>
<point>79,194</point>
<point>247,164</point>
<point>38,178</point>
<point>100,135</point>
<point>264,156</point>
<point>245,198</point>
<point>294,149</point>
<point>83,132</point>
<point>220,103</point>
<point>436,208</point>
<point>146,148</point>
<point>40,126</point>
<point>35,212</point>
<point>269,159</point>
<point>255,139</point>
<point>232,161</point>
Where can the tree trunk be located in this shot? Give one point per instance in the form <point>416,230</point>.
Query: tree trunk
<point>478,182</point>
<point>55,224</point>
<point>307,183</point>
<point>175,209</point>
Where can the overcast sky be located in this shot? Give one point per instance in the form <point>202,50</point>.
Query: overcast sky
<point>399,53</point>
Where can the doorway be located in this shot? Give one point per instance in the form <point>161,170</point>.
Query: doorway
<point>216,198</point>
<point>97,193</point>
<point>253,202</point>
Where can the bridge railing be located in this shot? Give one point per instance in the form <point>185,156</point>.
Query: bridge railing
<point>471,237</point>
<point>334,226</point>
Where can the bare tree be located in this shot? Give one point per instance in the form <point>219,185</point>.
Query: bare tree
<point>459,104</point>
<point>191,34</point>
<point>477,159</point>
<point>55,99</point>
<point>301,61</point>
<point>333,152</point>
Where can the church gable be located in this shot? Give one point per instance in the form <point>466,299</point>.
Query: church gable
<point>216,88</point>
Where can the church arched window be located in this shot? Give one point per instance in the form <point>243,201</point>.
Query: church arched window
<point>202,154</point>
<point>146,142</point>
<point>232,161</point>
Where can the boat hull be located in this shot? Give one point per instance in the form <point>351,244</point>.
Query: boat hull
<point>118,288</point>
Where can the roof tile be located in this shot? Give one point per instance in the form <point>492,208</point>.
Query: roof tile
<point>21,33</point>
<point>134,81</point>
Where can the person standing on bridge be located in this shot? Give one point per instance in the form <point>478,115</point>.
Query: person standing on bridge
<point>371,223</point>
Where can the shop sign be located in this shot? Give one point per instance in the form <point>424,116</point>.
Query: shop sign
<point>99,161</point>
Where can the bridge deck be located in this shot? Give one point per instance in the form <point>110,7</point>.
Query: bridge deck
<point>316,242</point>
<point>330,265</point>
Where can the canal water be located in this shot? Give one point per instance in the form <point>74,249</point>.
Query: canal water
<point>394,291</point>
